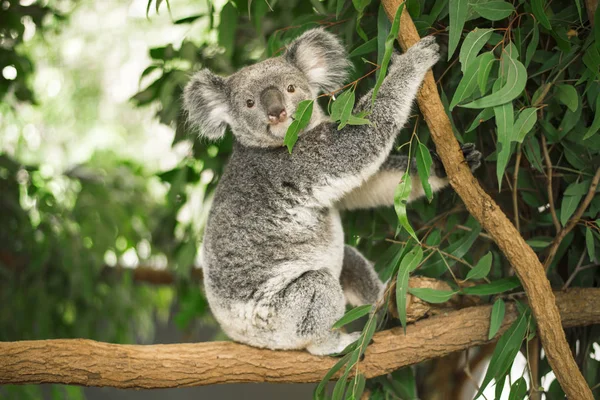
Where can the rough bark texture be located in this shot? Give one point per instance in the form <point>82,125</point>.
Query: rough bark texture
<point>90,363</point>
<point>523,259</point>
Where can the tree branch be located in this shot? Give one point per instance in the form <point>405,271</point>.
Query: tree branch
<point>520,255</point>
<point>90,363</point>
<point>573,221</point>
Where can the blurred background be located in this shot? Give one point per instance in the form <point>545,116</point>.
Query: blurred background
<point>104,190</point>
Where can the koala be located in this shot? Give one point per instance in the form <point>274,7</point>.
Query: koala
<point>277,273</point>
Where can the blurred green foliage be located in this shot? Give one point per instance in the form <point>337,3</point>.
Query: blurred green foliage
<point>520,79</point>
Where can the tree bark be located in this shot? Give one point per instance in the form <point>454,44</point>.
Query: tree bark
<point>520,255</point>
<point>90,363</point>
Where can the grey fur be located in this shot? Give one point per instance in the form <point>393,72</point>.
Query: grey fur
<point>276,268</point>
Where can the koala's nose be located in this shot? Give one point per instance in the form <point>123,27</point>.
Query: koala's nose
<point>276,114</point>
<point>272,99</point>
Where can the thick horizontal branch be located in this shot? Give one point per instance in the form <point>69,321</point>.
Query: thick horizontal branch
<point>90,363</point>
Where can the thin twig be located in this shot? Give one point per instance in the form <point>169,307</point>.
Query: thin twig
<point>515,192</point>
<point>573,221</point>
<point>549,185</point>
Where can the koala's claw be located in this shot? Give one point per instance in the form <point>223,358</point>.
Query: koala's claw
<point>470,153</point>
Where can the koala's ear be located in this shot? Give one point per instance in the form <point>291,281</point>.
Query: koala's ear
<point>322,58</point>
<point>205,98</point>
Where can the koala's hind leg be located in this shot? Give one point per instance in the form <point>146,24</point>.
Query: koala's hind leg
<point>359,280</point>
<point>313,302</point>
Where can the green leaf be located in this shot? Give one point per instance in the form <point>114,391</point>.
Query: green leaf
<point>578,188</point>
<point>568,207</point>
<point>319,392</point>
<point>493,10</point>
<point>458,16</point>
<point>518,390</point>
<point>486,62</point>
<point>302,119</point>
<point>466,86</point>
<point>538,243</point>
<point>496,317</point>
<point>458,249</point>
<point>408,264</point>
<point>354,120</point>
<point>365,48</point>
<point>595,127</point>
<point>567,95</point>
<point>524,123</point>
<point>424,163</point>
<point>358,387</point>
<point>352,315</point>
<point>389,48</point>
<point>383,29</point>
<point>482,269</point>
<point>404,383</point>
<point>341,109</point>
<point>537,7</point>
<point>483,116</point>
<point>514,84</point>
<point>228,28</point>
<point>589,243</point>
<point>433,296</point>
<point>597,27</point>
<point>472,45</point>
<point>499,286</point>
<point>339,7</point>
<point>535,39</point>
<point>401,199</point>
<point>505,126</point>
<point>360,5</point>
<point>505,352</point>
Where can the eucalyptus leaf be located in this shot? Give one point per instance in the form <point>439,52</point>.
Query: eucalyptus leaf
<point>499,286</point>
<point>433,296</point>
<point>458,16</point>
<point>482,269</point>
<point>389,49</point>
<point>472,45</point>
<point>408,264</point>
<point>303,115</point>
<point>496,317</point>
<point>352,315</point>
<point>424,162</point>
<point>493,10</point>
<point>505,352</point>
<point>514,85</point>
<point>401,194</point>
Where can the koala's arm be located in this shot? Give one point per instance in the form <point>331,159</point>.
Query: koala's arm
<point>380,188</point>
<point>337,162</point>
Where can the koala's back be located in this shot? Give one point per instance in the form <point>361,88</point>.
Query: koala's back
<point>262,234</point>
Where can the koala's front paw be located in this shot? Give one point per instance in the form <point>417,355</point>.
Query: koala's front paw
<point>471,154</point>
<point>425,53</point>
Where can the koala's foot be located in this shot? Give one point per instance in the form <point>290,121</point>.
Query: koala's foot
<point>336,343</point>
<point>471,154</point>
<point>359,280</point>
<point>425,53</point>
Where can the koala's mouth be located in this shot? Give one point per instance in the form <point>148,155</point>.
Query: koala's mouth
<point>279,129</point>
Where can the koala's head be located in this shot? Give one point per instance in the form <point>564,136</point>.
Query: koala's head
<point>258,101</point>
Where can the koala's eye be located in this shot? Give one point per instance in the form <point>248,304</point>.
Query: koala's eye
<point>291,89</point>
<point>250,103</point>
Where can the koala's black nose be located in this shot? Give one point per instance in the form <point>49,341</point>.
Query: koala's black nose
<point>272,100</point>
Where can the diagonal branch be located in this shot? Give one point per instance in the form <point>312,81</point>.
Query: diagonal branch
<point>90,363</point>
<point>573,221</point>
<point>520,255</point>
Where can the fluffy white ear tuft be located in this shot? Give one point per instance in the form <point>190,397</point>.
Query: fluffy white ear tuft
<point>205,98</point>
<point>321,57</point>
